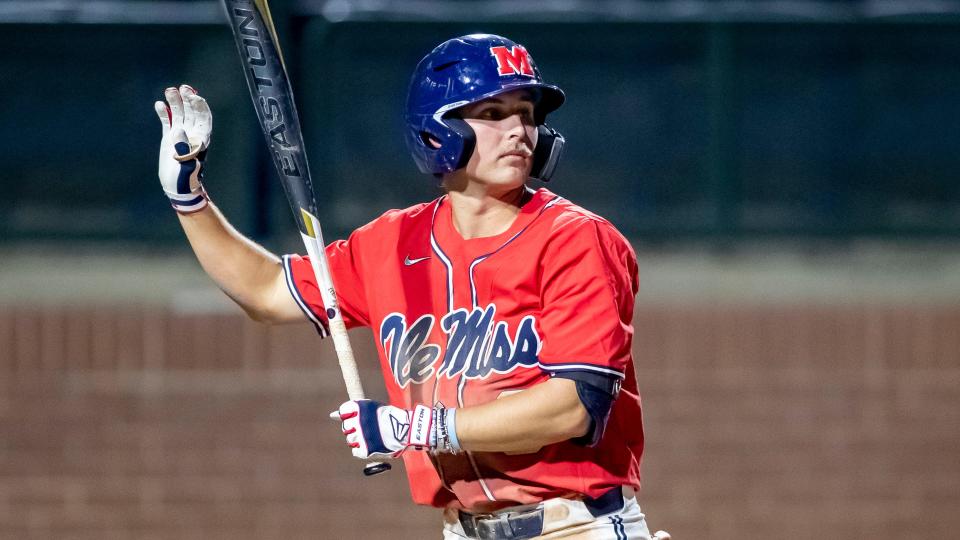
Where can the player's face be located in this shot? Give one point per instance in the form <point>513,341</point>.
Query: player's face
<point>506,136</point>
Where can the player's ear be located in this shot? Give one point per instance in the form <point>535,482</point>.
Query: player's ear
<point>432,141</point>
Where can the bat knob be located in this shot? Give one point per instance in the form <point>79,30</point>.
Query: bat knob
<point>376,468</point>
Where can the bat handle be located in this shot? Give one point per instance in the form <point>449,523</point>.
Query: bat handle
<point>376,467</point>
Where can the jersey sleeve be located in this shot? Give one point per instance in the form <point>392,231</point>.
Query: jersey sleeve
<point>345,267</point>
<point>588,288</point>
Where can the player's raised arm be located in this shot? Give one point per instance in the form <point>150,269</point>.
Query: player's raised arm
<point>246,272</point>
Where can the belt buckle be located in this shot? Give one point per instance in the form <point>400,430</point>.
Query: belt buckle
<point>494,526</point>
<point>509,525</point>
<point>476,519</point>
<point>471,523</point>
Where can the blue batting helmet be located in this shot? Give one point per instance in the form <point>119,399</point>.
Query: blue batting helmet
<point>465,70</point>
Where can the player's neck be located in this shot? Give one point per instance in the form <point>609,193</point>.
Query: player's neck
<point>478,213</point>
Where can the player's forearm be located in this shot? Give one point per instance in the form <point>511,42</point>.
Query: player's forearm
<point>252,276</point>
<point>245,271</point>
<point>544,414</point>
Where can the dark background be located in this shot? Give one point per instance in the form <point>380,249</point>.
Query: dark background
<point>831,121</point>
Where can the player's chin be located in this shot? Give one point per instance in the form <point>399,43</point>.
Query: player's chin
<point>513,181</point>
<point>513,172</point>
<point>502,176</point>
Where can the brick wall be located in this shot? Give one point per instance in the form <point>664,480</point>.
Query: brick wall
<point>786,422</point>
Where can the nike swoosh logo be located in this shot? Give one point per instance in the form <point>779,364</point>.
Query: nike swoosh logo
<point>408,261</point>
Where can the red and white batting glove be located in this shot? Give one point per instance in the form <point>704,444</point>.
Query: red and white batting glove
<point>186,122</point>
<point>373,429</point>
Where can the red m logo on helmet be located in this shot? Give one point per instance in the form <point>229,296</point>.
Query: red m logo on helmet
<point>514,61</point>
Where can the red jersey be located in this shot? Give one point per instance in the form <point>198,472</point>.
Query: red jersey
<point>465,321</point>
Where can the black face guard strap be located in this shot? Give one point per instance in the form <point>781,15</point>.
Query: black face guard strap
<point>547,153</point>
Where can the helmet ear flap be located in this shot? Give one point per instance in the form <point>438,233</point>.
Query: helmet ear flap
<point>441,146</point>
<point>467,137</point>
<point>547,153</point>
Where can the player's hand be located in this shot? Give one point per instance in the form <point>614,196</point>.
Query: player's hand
<point>373,429</point>
<point>187,123</point>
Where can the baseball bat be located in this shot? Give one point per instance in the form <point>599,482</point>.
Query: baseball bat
<point>272,95</point>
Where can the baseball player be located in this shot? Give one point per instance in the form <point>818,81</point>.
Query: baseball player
<point>501,313</point>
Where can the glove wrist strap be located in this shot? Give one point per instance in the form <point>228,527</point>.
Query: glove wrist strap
<point>421,427</point>
<point>433,429</point>
<point>188,203</point>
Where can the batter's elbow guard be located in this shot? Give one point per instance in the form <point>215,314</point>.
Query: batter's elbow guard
<point>597,394</point>
<point>598,403</point>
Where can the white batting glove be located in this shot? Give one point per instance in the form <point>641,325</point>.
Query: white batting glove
<point>187,123</point>
<point>373,429</point>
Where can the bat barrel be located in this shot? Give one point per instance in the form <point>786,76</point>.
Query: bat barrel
<point>272,96</point>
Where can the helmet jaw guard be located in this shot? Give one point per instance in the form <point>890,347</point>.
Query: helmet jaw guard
<point>466,70</point>
<point>547,153</point>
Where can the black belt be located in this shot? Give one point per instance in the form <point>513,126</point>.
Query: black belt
<point>521,524</point>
